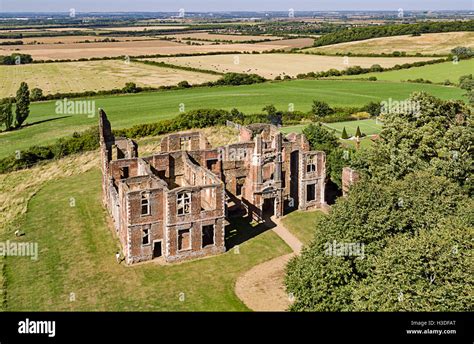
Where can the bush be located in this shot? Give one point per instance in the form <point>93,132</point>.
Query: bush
<point>321,109</point>
<point>361,115</point>
<point>344,135</point>
<point>36,94</point>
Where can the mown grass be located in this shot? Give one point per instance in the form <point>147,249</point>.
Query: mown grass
<point>302,224</point>
<point>45,125</point>
<point>437,73</point>
<point>76,255</point>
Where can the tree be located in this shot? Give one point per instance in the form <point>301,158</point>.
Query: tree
<point>462,52</point>
<point>22,104</point>
<point>6,113</point>
<point>184,84</point>
<point>344,135</point>
<point>321,109</point>
<point>358,133</point>
<point>131,87</point>
<point>376,68</point>
<point>237,116</point>
<point>36,94</point>
<point>274,116</point>
<point>373,108</point>
<point>320,138</point>
<point>377,214</point>
<point>466,82</point>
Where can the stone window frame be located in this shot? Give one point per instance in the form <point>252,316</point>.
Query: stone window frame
<point>148,229</point>
<point>145,201</point>
<point>311,163</point>
<point>214,236</point>
<point>185,143</point>
<point>186,200</point>
<point>190,229</point>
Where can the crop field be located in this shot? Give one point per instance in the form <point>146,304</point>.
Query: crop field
<point>139,48</point>
<point>430,43</point>
<point>92,76</point>
<point>272,65</point>
<point>437,73</point>
<point>220,37</point>
<point>45,125</point>
<point>75,39</point>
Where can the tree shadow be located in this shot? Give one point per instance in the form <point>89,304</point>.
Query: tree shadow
<point>44,121</point>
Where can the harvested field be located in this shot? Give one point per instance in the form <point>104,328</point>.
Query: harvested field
<point>220,37</point>
<point>142,28</point>
<point>270,66</point>
<point>73,39</point>
<point>430,43</point>
<point>92,75</point>
<point>153,47</point>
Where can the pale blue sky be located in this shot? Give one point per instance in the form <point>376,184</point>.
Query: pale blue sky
<point>227,5</point>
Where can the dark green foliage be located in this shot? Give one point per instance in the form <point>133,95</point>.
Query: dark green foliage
<point>321,109</point>
<point>6,113</point>
<point>462,52</point>
<point>344,135</point>
<point>131,87</point>
<point>184,84</point>
<point>16,58</point>
<point>36,94</point>
<point>466,82</point>
<point>401,225</point>
<point>274,116</point>
<point>373,108</point>
<point>358,133</point>
<point>361,33</point>
<point>239,79</point>
<point>22,101</point>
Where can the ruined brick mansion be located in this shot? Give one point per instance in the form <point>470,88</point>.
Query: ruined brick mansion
<point>174,204</point>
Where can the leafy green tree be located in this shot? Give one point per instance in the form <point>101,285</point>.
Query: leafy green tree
<point>320,138</point>
<point>373,108</point>
<point>321,109</point>
<point>462,52</point>
<point>466,82</point>
<point>274,116</point>
<point>6,113</point>
<point>437,136</point>
<point>184,84</point>
<point>22,110</point>
<point>376,68</point>
<point>131,87</point>
<point>344,135</point>
<point>36,94</point>
<point>375,214</point>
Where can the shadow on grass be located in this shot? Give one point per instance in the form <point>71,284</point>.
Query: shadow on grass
<point>44,121</point>
<point>242,229</point>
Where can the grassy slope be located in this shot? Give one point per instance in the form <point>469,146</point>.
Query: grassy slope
<point>302,224</point>
<point>127,110</point>
<point>77,256</point>
<point>435,73</point>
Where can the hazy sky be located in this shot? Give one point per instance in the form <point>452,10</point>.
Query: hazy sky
<point>227,5</point>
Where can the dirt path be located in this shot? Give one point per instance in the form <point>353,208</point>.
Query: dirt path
<point>262,288</point>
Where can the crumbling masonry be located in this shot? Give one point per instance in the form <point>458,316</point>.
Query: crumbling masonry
<point>174,204</point>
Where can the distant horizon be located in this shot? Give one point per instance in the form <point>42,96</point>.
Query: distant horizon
<point>216,6</point>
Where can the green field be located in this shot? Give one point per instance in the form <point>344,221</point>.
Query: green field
<point>44,125</point>
<point>436,73</point>
<point>302,224</point>
<point>367,127</point>
<point>77,255</point>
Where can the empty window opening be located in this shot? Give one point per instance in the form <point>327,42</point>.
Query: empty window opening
<point>207,235</point>
<point>311,166</point>
<point>184,239</point>
<point>124,172</point>
<point>310,192</point>
<point>145,204</point>
<point>185,143</point>
<point>239,185</point>
<point>211,164</point>
<point>146,237</point>
<point>183,205</point>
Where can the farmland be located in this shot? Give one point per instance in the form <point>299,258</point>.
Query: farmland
<point>92,76</point>
<point>219,37</point>
<point>273,65</point>
<point>429,44</point>
<point>437,73</point>
<point>141,48</point>
<point>126,110</point>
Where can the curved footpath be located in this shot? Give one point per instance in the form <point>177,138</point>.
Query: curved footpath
<point>262,288</point>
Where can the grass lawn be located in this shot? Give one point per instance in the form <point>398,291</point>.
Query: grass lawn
<point>45,125</point>
<point>302,224</point>
<point>76,255</point>
<point>367,126</point>
<point>435,73</point>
